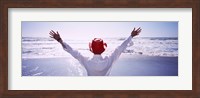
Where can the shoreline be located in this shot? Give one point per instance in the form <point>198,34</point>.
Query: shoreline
<point>123,55</point>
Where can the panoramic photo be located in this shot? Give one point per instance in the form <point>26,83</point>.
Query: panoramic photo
<point>99,48</point>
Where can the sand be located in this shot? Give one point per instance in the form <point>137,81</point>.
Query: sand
<point>126,65</point>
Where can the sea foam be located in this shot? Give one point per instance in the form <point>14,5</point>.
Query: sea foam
<point>38,47</point>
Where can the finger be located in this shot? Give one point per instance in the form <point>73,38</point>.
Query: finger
<point>53,32</point>
<point>50,33</point>
<point>57,33</point>
<point>138,29</point>
<point>134,29</point>
<point>51,36</point>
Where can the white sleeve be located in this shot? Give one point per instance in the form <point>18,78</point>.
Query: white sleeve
<point>117,52</point>
<point>77,55</point>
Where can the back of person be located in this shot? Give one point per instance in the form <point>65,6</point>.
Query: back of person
<point>98,66</point>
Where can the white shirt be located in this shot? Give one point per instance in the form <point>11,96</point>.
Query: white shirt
<point>97,65</point>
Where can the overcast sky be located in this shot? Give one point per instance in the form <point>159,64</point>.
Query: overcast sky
<point>89,30</point>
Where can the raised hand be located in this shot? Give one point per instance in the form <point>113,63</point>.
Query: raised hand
<point>55,36</point>
<point>136,32</point>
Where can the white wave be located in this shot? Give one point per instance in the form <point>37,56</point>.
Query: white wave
<point>35,69</point>
<point>44,48</point>
<point>37,74</point>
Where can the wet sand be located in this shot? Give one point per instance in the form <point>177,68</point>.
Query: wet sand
<point>126,65</point>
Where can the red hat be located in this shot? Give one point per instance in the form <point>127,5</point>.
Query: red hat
<point>97,46</point>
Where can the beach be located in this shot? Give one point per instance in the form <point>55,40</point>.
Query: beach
<point>144,56</point>
<point>126,65</point>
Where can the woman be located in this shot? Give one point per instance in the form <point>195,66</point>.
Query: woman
<point>97,65</point>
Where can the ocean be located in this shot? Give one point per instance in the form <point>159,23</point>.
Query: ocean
<point>144,56</point>
<point>39,47</point>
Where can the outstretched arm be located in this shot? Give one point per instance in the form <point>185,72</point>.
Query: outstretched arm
<point>66,47</point>
<point>117,52</point>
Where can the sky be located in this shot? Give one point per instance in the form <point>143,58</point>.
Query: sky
<point>90,30</point>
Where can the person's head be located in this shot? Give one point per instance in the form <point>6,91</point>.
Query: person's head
<point>97,46</point>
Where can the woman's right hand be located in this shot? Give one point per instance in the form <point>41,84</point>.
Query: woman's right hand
<point>55,35</point>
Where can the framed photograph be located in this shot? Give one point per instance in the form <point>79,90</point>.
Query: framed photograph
<point>100,48</point>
